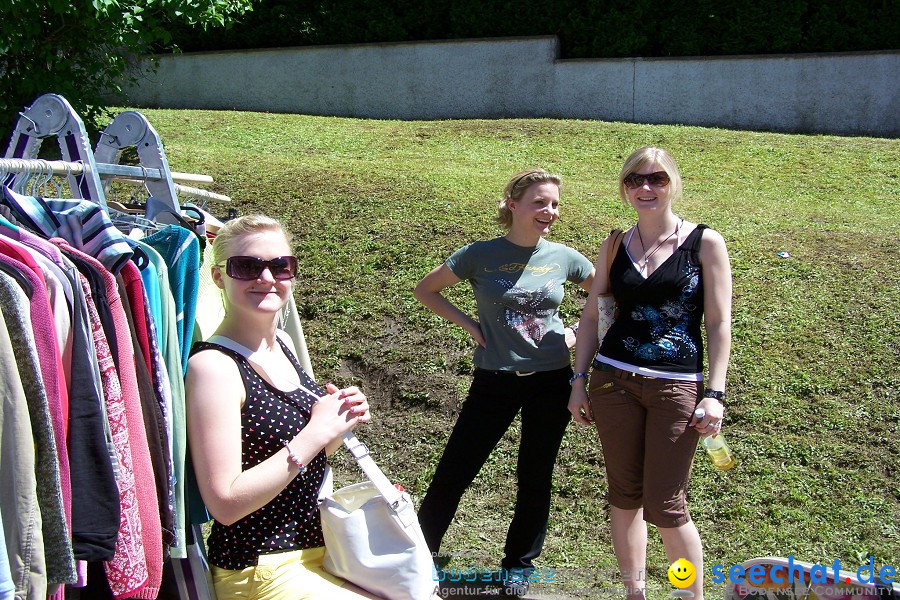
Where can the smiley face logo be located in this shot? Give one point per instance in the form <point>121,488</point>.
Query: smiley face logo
<point>682,573</point>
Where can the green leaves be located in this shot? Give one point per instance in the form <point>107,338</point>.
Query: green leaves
<point>586,28</point>
<point>80,48</point>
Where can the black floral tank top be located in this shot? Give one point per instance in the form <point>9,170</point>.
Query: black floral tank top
<point>659,318</point>
<point>269,417</point>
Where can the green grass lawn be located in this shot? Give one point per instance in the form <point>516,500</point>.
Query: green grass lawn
<point>813,411</point>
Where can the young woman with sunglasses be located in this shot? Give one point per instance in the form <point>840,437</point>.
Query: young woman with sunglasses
<point>668,275</point>
<point>522,364</point>
<point>259,428</point>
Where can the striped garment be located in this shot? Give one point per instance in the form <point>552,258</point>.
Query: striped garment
<point>82,223</point>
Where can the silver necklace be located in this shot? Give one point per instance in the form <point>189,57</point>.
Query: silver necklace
<point>646,258</point>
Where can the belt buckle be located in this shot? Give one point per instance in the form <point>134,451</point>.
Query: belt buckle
<point>525,373</point>
<point>359,451</point>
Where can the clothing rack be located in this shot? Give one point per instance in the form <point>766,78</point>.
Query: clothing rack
<point>123,173</point>
<point>89,173</point>
<point>131,129</point>
<point>132,500</point>
<point>183,190</point>
<point>51,115</point>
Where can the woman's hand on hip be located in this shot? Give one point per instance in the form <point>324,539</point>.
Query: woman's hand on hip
<point>571,337</point>
<point>474,329</point>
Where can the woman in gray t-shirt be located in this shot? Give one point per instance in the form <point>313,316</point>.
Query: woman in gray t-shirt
<point>522,364</point>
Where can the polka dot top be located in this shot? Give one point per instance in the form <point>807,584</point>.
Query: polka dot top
<point>270,417</point>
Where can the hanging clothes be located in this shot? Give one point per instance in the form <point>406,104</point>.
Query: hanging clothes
<point>19,512</point>
<point>84,224</point>
<point>171,370</point>
<point>133,301</point>
<point>151,537</point>
<point>181,251</point>
<point>95,514</point>
<point>94,338</point>
<point>36,341</point>
<point>127,571</point>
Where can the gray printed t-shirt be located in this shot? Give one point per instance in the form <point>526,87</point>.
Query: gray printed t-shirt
<point>518,291</point>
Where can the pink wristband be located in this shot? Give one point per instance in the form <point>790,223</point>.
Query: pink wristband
<point>294,458</point>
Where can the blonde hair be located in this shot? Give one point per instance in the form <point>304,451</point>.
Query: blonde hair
<point>516,187</point>
<point>242,226</point>
<point>644,156</point>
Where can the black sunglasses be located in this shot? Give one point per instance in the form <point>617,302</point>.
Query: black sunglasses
<point>636,180</point>
<point>247,268</point>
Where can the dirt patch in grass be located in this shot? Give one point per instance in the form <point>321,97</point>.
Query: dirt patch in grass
<point>407,372</point>
<point>392,388</point>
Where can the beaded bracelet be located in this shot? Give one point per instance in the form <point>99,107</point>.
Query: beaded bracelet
<point>578,375</point>
<point>294,458</point>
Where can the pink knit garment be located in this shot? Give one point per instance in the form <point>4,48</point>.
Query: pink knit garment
<point>127,571</point>
<point>50,359</point>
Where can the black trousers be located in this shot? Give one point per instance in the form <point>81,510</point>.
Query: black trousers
<point>494,400</point>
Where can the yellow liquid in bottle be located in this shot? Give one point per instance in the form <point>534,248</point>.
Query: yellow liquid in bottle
<point>718,450</point>
<point>721,458</point>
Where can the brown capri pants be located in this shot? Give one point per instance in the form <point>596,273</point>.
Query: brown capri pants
<point>647,444</point>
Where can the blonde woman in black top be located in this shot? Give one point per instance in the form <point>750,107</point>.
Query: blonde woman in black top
<point>259,428</point>
<point>670,277</point>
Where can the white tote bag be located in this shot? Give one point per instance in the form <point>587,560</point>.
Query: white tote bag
<point>372,535</point>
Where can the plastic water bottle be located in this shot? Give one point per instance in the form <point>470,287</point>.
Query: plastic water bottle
<point>719,452</point>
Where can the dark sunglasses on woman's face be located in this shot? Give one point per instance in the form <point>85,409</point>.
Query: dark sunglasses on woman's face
<point>247,268</point>
<point>636,180</point>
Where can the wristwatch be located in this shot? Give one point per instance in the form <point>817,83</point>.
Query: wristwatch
<point>718,395</point>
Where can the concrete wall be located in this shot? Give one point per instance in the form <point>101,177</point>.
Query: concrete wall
<point>855,93</point>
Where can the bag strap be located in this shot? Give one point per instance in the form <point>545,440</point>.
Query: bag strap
<point>357,449</point>
<point>360,452</point>
<point>261,359</point>
<point>248,353</point>
<point>615,240</point>
<point>229,343</point>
